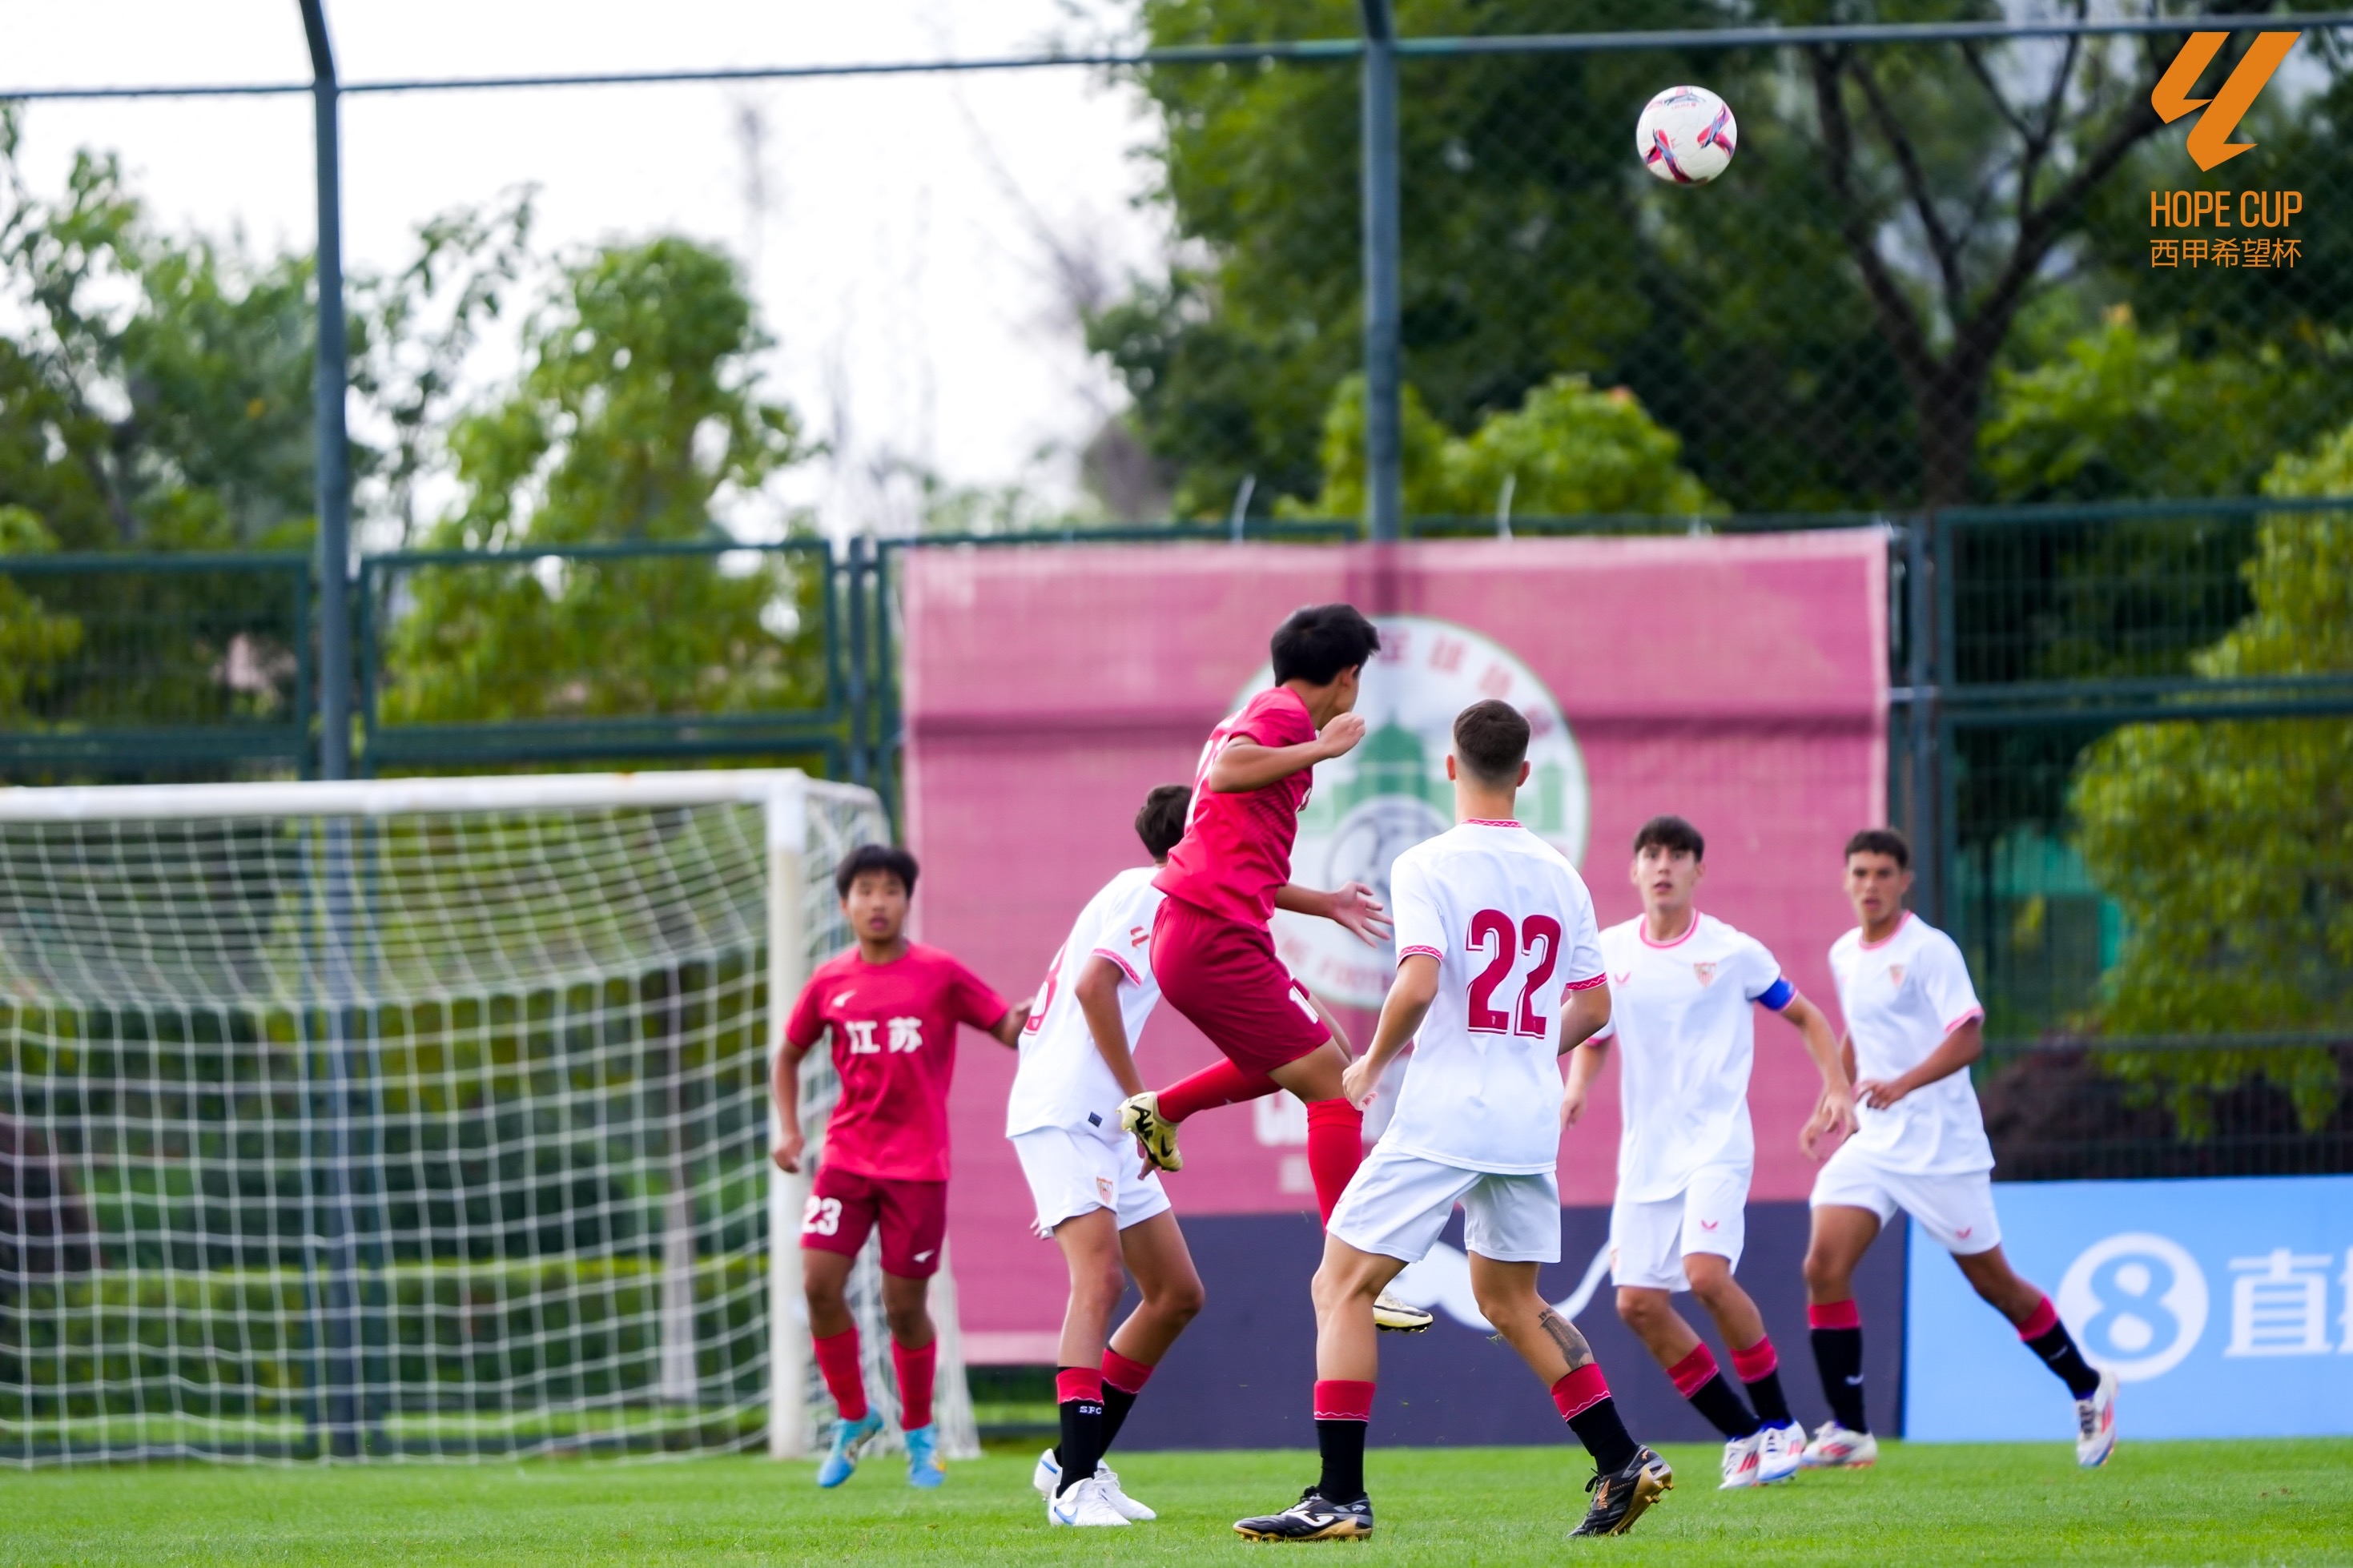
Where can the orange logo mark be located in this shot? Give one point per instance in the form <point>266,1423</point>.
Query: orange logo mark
<point>2210,139</point>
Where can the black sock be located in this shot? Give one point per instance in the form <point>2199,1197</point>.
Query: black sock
<point>1772,1405</point>
<point>1343,1443</point>
<point>1604,1435</point>
<point>1117,1403</point>
<point>1081,1448</point>
<point>1715,1400</point>
<point>2058,1352</point>
<point>1838,1355</point>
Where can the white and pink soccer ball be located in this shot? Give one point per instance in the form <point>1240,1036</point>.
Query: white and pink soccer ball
<point>1686,136</point>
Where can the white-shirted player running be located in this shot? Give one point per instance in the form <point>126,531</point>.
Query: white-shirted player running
<point>1684,992</point>
<point>1912,1027</point>
<point>1107,1214</point>
<point>1498,972</point>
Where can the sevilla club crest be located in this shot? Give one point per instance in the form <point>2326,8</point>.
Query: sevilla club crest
<point>1706,973</point>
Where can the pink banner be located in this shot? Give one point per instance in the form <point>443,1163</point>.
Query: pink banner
<point>1738,681</point>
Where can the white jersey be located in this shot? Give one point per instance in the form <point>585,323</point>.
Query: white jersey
<point>1683,1012</point>
<point>1511,925</point>
<point>1062,1081</point>
<point>1901,999</point>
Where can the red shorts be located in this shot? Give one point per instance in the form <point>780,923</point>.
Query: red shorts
<point>844,1206</point>
<point>1225,977</point>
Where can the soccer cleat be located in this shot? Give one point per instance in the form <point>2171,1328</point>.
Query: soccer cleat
<point>1107,1481</point>
<point>1140,1114</point>
<point>1836,1448</point>
<point>1048,1474</point>
<point>1084,1505</point>
<point>848,1437</point>
<point>1399,1317</point>
<point>2095,1424</point>
<point>1780,1452</point>
<point>1312,1518</point>
<point>1623,1495</point>
<point>1740,1462</point>
<point>923,1457</point>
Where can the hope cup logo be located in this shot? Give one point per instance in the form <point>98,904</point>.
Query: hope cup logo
<point>2136,1303</point>
<point>1391,791</point>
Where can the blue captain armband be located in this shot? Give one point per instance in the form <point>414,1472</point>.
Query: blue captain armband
<point>1779,994</point>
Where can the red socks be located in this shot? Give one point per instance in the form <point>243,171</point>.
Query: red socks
<point>916,1370</point>
<point>1128,1376</point>
<point>1340,1399</point>
<point>1219,1083</point>
<point>1335,1147</point>
<point>1691,1371</point>
<point>1580,1390</point>
<point>837,1363</point>
<point>2045,1319</point>
<point>1753,1364</point>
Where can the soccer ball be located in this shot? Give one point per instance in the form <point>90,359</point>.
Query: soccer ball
<point>1685,135</point>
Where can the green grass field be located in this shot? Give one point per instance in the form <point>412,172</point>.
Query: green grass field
<point>2157,1503</point>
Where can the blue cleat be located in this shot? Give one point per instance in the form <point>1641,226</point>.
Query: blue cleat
<point>849,1437</point>
<point>922,1457</point>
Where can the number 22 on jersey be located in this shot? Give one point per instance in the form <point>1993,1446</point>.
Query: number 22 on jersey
<point>1537,937</point>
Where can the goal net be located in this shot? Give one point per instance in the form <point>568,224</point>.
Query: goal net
<point>415,1119</point>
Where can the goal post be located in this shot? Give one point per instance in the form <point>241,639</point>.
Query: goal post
<point>415,1118</point>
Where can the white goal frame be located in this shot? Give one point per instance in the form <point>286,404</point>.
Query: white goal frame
<point>784,796</point>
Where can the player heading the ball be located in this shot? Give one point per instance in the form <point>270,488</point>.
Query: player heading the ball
<point>1499,972</point>
<point>892,1008</point>
<point>1212,949</point>
<point>1110,1218</point>
<point>1913,1026</point>
<point>1684,992</point>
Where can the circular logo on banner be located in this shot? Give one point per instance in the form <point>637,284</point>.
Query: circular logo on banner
<point>2135,1302</point>
<point>1391,791</point>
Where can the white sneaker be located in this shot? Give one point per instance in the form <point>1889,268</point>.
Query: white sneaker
<point>1047,1476</point>
<point>1740,1462</point>
<point>1084,1505</point>
<point>1135,1512</point>
<point>1836,1448</point>
<point>2095,1424</point>
<point>1781,1452</point>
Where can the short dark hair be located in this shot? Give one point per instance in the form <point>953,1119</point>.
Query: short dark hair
<point>1882,841</point>
<point>1491,740</point>
<point>1317,643</point>
<point>875,857</point>
<point>1672,833</point>
<point>1161,822</point>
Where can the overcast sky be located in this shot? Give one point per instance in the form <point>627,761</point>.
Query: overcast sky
<point>902,234</point>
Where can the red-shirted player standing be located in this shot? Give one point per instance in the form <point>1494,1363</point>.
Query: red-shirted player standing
<point>892,1008</point>
<point>1211,950</point>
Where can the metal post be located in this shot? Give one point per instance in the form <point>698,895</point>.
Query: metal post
<point>347,1413</point>
<point>1384,445</point>
<point>1920,718</point>
<point>786,827</point>
<point>329,384</point>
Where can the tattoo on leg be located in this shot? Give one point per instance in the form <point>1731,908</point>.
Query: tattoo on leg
<point>1563,1333</point>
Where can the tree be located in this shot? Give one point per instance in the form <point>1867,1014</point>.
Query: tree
<point>1891,216</point>
<point>2229,842</point>
<point>1567,451</point>
<point>637,409</point>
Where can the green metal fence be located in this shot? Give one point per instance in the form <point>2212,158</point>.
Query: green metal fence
<point>2120,751</point>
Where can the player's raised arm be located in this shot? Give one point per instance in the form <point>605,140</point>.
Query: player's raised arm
<point>1245,765</point>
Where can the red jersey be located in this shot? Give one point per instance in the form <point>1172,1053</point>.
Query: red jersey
<point>894,1035</point>
<point>1236,852</point>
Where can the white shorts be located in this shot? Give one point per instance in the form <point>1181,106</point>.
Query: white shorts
<point>1071,1173</point>
<point>1957,1210</point>
<point>1648,1240</point>
<point>1397,1203</point>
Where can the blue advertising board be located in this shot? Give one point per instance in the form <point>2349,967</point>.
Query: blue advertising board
<point>2225,1308</point>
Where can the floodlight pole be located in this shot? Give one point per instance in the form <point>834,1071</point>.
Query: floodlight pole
<point>1384,461</point>
<point>346,1394</point>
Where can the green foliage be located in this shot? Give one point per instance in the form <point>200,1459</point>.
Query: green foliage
<point>1567,450</point>
<point>32,638</point>
<point>2230,843</point>
<point>637,411</point>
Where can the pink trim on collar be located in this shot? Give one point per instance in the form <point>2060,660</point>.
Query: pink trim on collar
<point>1891,936</point>
<point>1486,822</point>
<point>1642,929</point>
